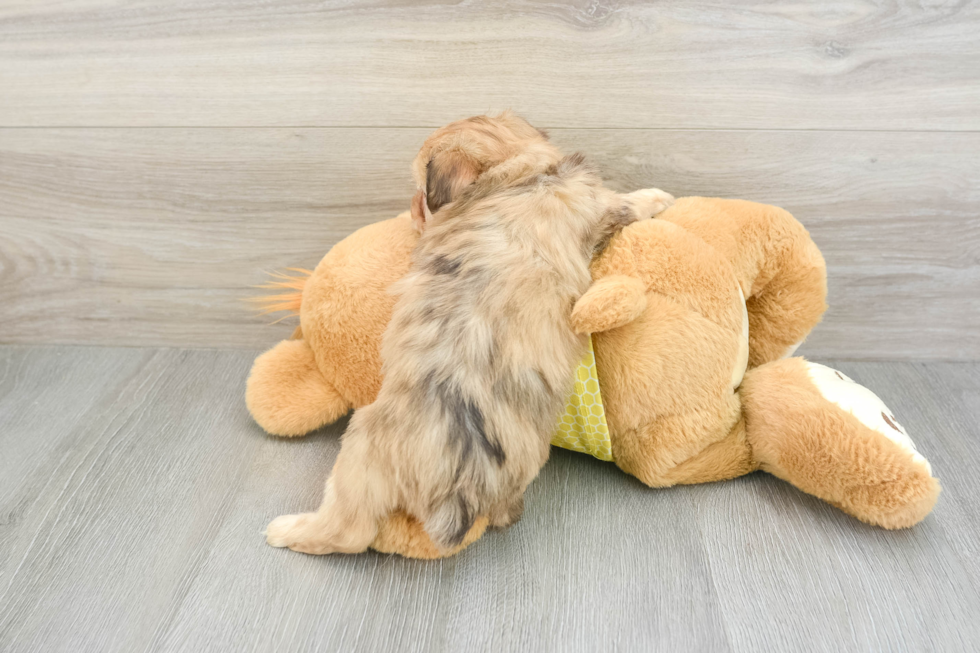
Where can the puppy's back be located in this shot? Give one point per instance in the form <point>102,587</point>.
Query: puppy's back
<point>480,341</point>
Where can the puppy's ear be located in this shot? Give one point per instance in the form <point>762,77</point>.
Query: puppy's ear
<point>420,211</point>
<point>446,175</point>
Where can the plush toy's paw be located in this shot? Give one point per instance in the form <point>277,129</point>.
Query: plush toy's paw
<point>286,393</point>
<point>866,406</point>
<point>649,202</point>
<point>298,532</point>
<point>896,491</point>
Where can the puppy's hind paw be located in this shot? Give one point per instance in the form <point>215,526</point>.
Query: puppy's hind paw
<point>287,531</point>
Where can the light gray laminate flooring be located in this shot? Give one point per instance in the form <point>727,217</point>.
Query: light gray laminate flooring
<point>134,489</point>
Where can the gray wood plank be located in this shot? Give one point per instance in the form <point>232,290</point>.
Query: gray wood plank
<point>249,597</point>
<point>572,576</point>
<point>115,522</point>
<point>152,236</point>
<point>60,385</point>
<point>849,65</point>
<point>138,527</point>
<point>151,538</point>
<point>940,405</point>
<point>44,393</point>
<point>593,565</point>
<point>793,573</point>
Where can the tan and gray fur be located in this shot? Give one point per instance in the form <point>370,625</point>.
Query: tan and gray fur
<point>479,354</point>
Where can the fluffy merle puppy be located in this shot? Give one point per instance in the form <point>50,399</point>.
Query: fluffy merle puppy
<point>479,354</point>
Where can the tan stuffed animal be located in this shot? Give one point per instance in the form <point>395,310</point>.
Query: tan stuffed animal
<point>693,315</point>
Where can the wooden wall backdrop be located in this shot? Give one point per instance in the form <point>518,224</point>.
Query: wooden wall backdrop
<point>156,158</point>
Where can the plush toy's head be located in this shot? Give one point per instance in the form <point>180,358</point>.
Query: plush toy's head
<point>455,155</point>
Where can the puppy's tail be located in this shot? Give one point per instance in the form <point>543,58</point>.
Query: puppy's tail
<point>288,302</point>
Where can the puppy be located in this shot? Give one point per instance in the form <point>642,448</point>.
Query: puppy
<point>479,354</point>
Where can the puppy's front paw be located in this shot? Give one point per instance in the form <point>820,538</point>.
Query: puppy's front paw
<point>650,201</point>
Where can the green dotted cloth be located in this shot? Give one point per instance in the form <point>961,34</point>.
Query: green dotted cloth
<point>582,426</point>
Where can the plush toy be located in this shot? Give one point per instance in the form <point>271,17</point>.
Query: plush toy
<point>693,317</point>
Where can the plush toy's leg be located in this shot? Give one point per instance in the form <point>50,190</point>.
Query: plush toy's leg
<point>812,426</point>
<point>697,446</point>
<point>286,393</point>
<point>788,297</point>
<point>728,458</point>
<point>781,270</point>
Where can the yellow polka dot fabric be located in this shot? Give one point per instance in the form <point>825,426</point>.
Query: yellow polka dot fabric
<point>582,427</point>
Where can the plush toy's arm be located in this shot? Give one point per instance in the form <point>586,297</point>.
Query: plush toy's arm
<point>609,303</point>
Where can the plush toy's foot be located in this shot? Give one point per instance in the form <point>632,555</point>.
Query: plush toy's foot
<point>835,439</point>
<point>286,393</point>
<point>679,450</point>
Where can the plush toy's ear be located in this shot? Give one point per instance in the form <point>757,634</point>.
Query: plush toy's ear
<point>609,302</point>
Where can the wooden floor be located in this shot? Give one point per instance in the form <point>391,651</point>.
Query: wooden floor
<point>134,488</point>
